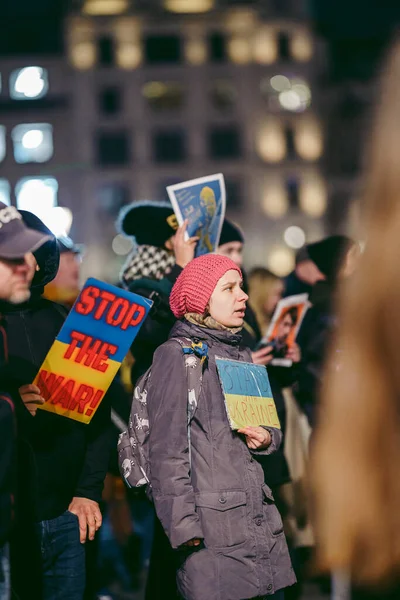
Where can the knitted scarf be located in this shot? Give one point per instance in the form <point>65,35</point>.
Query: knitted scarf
<point>147,262</point>
<point>209,322</point>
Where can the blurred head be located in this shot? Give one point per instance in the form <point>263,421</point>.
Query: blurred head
<point>308,272</point>
<point>286,323</point>
<point>330,255</point>
<point>68,274</point>
<point>265,291</point>
<point>231,242</point>
<point>210,285</point>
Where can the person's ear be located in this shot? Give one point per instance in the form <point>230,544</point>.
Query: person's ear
<point>168,244</point>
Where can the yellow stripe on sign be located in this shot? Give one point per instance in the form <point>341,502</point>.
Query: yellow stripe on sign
<point>71,389</point>
<point>251,411</point>
<point>56,363</point>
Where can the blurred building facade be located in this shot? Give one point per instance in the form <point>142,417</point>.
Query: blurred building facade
<point>150,93</point>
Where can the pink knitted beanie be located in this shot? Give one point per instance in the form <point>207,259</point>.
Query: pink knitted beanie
<point>195,285</point>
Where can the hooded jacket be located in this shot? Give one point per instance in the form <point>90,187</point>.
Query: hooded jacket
<point>220,495</point>
<point>58,458</point>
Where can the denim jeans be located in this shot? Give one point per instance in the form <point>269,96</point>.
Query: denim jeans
<point>63,558</point>
<point>4,573</point>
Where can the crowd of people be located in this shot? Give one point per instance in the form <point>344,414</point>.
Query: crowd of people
<point>216,519</point>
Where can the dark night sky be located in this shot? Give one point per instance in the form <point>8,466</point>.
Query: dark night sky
<point>358,30</point>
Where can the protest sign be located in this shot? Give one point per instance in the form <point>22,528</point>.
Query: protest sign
<point>284,327</point>
<point>247,393</point>
<point>89,349</point>
<point>202,202</point>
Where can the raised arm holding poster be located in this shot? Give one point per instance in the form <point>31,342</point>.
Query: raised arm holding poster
<point>202,202</point>
<point>89,349</point>
<point>284,327</point>
<point>247,393</point>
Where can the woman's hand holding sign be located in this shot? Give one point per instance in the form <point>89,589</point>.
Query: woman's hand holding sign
<point>30,395</point>
<point>257,438</point>
<point>183,249</point>
<point>89,516</point>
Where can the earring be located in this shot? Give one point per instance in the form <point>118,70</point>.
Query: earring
<point>37,267</point>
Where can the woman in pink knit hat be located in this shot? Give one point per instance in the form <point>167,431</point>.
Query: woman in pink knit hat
<point>209,492</point>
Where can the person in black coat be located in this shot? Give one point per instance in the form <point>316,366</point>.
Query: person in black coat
<point>62,463</point>
<point>16,241</point>
<point>335,258</point>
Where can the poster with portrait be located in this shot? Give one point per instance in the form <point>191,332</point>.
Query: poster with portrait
<point>284,327</point>
<point>202,202</point>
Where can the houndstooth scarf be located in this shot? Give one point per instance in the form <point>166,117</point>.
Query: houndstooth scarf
<point>147,262</point>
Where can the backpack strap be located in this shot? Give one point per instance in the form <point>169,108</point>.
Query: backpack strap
<point>195,355</point>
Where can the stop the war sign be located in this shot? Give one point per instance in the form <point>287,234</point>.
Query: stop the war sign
<point>89,349</point>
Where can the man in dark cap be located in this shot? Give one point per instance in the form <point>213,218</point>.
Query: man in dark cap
<point>16,242</point>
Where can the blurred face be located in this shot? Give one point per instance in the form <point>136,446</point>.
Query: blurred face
<point>14,280</point>
<point>284,328</point>
<point>68,272</point>
<point>273,298</point>
<point>233,250</point>
<point>228,301</point>
<point>309,273</point>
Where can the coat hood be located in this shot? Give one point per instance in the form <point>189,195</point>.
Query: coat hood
<point>47,256</point>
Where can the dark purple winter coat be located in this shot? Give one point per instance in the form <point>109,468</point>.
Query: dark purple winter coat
<point>221,497</point>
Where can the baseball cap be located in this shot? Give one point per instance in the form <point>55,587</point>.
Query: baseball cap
<point>16,239</point>
<point>66,244</point>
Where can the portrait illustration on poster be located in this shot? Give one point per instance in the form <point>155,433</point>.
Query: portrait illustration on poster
<point>284,327</point>
<point>247,394</point>
<point>202,202</point>
<point>89,349</point>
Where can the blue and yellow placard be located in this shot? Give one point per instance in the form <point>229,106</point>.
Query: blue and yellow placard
<point>247,393</point>
<point>89,349</point>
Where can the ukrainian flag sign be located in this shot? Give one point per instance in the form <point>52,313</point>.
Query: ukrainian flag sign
<point>89,349</point>
<point>247,393</point>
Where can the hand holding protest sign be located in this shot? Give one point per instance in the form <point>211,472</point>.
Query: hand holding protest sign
<point>202,203</point>
<point>282,332</point>
<point>89,349</point>
<point>247,393</point>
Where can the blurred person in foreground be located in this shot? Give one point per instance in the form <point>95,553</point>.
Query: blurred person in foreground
<point>356,450</point>
<point>62,463</point>
<point>16,242</point>
<point>65,287</point>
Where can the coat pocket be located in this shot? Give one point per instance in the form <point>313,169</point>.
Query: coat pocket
<point>271,513</point>
<point>223,518</point>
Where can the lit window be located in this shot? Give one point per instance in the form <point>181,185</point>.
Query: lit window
<point>313,196</point>
<point>28,83</point>
<point>188,6</point>
<point>195,50</point>
<point>223,94</point>
<point>265,47</point>
<point>281,261</point>
<point>271,143</point>
<point>129,55</point>
<point>2,142</point>
<point>105,7</point>
<point>301,46</point>
<point>83,55</point>
<point>37,194</point>
<point>5,191</point>
<point>239,49</point>
<point>33,142</point>
<point>164,95</point>
<point>275,200</point>
<point>308,139</point>
<point>287,93</point>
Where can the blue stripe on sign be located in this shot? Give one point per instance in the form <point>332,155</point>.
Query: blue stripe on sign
<point>243,379</point>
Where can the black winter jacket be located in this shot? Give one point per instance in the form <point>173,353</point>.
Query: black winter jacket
<point>58,458</point>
